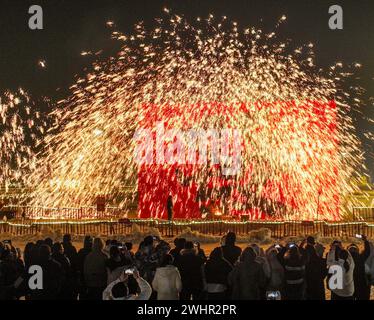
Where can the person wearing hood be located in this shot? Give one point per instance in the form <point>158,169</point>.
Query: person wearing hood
<point>247,278</point>
<point>167,280</point>
<point>215,272</point>
<point>294,266</point>
<point>128,287</point>
<point>345,261</point>
<point>276,279</point>
<point>189,265</point>
<point>263,262</point>
<point>261,259</point>
<point>361,280</point>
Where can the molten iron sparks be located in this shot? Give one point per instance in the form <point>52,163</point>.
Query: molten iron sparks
<point>22,125</point>
<point>199,75</point>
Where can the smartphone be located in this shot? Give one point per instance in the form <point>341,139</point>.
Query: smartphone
<point>359,236</point>
<point>130,271</point>
<point>273,295</point>
<point>291,245</point>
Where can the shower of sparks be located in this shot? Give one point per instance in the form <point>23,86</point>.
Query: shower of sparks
<point>197,75</point>
<point>21,126</point>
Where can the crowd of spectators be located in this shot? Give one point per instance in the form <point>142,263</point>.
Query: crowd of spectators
<point>113,271</point>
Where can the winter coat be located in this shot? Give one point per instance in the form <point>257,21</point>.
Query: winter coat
<point>231,253</point>
<point>348,280</point>
<point>215,272</point>
<point>71,252</point>
<point>95,273</point>
<point>52,281</point>
<point>361,279</point>
<point>116,267</point>
<point>147,260</point>
<point>315,274</point>
<point>276,279</point>
<point>189,266</point>
<point>145,291</point>
<point>246,280</point>
<point>167,282</point>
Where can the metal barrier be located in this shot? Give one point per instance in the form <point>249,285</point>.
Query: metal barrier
<point>169,229</point>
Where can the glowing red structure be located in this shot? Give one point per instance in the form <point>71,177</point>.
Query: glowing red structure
<point>308,192</point>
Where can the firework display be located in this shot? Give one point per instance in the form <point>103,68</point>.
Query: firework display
<point>298,148</point>
<point>23,126</point>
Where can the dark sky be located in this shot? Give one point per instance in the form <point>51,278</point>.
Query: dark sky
<point>73,26</point>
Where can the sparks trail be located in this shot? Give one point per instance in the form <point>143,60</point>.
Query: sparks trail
<point>298,146</point>
<point>22,126</point>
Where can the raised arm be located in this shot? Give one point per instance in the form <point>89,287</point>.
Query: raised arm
<point>107,294</point>
<point>145,290</point>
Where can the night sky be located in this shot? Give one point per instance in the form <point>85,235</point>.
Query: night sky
<point>73,26</point>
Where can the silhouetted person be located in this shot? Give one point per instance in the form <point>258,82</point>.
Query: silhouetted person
<point>361,280</point>
<point>81,257</point>
<point>71,253</point>
<point>69,249</point>
<point>247,278</point>
<point>294,265</point>
<point>95,273</point>
<point>68,285</point>
<point>215,272</point>
<point>115,264</point>
<point>169,207</point>
<point>230,251</point>
<point>52,276</point>
<point>315,272</point>
<point>179,246</point>
<point>189,265</point>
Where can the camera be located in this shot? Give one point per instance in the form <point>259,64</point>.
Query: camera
<point>129,271</point>
<point>273,295</point>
